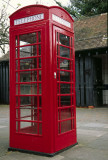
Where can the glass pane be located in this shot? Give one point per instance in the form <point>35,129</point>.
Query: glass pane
<point>40,62</point>
<point>27,38</point>
<point>64,39</point>
<point>16,76</point>
<point>16,126</point>
<point>28,114</point>
<point>28,89</point>
<point>66,126</point>
<point>63,64</point>
<point>59,128</point>
<point>65,100</point>
<point>40,75</point>
<point>16,89</point>
<point>64,52</point>
<point>65,76</point>
<point>28,101</point>
<point>65,88</point>
<point>58,50</point>
<point>40,88</point>
<point>40,128</point>
<point>39,49</point>
<point>30,63</point>
<point>39,36</point>
<point>40,101</point>
<point>71,42</point>
<point>28,76</point>
<point>28,51</point>
<point>16,53</point>
<point>40,115</point>
<point>65,113</point>
<point>16,64</point>
<point>17,101</point>
<point>28,127</point>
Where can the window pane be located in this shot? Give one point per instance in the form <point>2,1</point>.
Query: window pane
<point>40,128</point>
<point>64,39</point>
<point>40,88</point>
<point>27,38</point>
<point>16,76</point>
<point>63,64</point>
<point>16,64</point>
<point>29,127</point>
<point>64,52</point>
<point>30,63</point>
<point>28,76</point>
<point>66,126</point>
<point>65,88</point>
<point>39,49</point>
<point>28,101</point>
<point>16,89</point>
<point>65,100</point>
<point>64,76</point>
<point>39,36</point>
<point>28,89</point>
<point>28,51</point>
<point>65,113</point>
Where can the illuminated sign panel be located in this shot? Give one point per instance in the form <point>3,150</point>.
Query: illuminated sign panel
<point>61,21</point>
<point>29,19</point>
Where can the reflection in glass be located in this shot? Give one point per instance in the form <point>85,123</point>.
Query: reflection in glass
<point>16,89</point>
<point>27,38</point>
<point>16,64</point>
<point>16,76</point>
<point>39,62</point>
<point>71,42</point>
<point>64,39</point>
<point>40,128</point>
<point>40,101</point>
<point>28,89</point>
<point>40,88</point>
<point>28,51</point>
<point>28,101</point>
<point>40,115</point>
<point>66,126</point>
<point>28,76</point>
<point>29,127</point>
<point>64,52</point>
<point>65,88</point>
<point>64,76</point>
<point>39,36</point>
<point>65,113</point>
<point>39,49</point>
<point>63,64</point>
<point>30,63</point>
<point>65,100</point>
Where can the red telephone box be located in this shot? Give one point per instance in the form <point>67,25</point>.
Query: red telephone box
<point>42,80</point>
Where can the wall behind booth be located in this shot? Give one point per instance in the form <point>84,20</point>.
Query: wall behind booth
<point>4,82</point>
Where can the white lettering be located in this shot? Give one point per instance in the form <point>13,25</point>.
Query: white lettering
<point>61,21</point>
<point>29,19</point>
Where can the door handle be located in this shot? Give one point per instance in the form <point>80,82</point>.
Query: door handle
<point>54,75</point>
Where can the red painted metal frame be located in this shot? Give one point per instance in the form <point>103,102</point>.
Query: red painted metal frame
<point>50,140</point>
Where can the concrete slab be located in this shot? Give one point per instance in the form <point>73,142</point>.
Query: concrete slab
<point>92,133</point>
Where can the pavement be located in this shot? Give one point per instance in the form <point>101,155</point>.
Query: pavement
<point>92,136</point>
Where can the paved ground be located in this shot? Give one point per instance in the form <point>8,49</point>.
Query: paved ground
<point>92,130</point>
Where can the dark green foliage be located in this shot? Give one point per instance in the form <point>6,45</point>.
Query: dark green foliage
<point>79,8</point>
